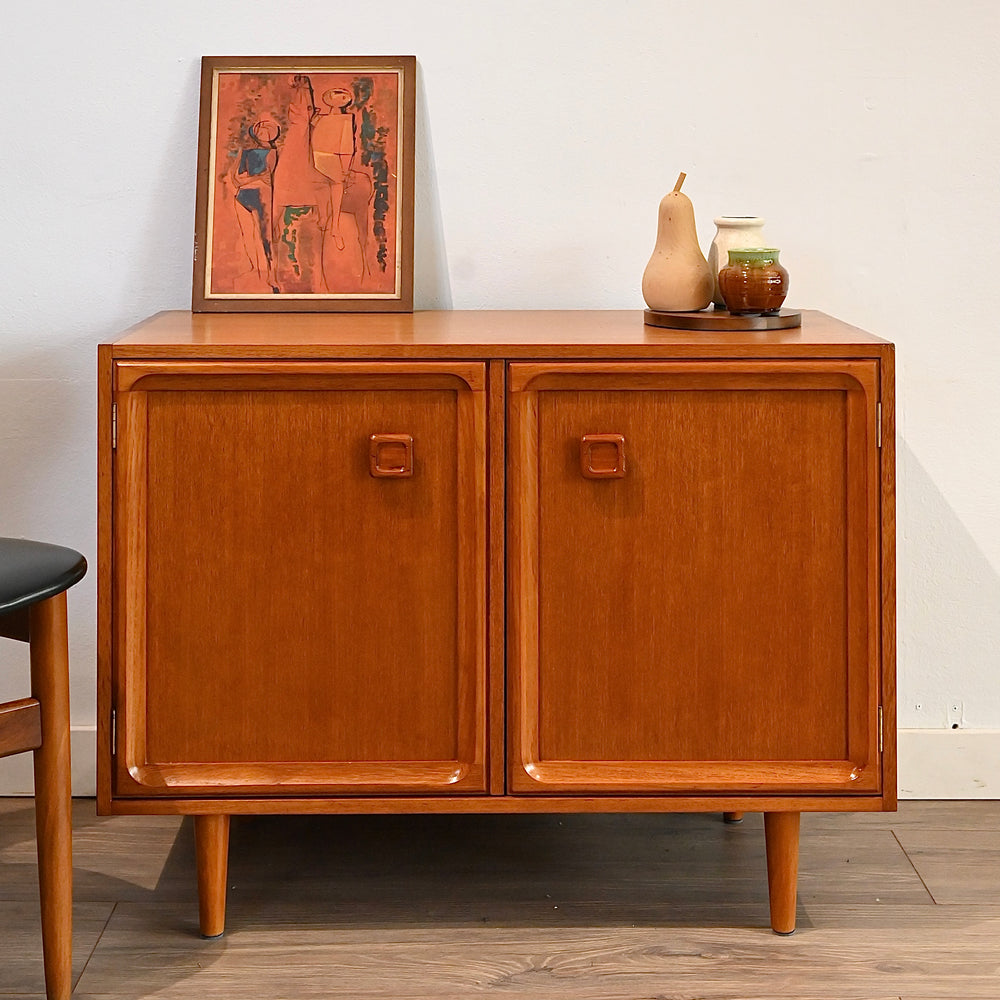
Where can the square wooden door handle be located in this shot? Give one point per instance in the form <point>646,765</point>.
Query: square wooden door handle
<point>602,456</point>
<point>390,455</point>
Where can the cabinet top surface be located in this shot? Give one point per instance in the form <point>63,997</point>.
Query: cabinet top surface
<point>508,334</point>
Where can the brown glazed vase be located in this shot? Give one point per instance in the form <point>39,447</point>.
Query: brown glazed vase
<point>753,282</point>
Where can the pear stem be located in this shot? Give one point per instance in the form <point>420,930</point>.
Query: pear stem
<point>680,181</point>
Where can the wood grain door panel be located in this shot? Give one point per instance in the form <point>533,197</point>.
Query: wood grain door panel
<point>700,622</point>
<point>288,621</point>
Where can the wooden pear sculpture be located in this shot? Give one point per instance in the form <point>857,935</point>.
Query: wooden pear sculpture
<point>677,277</point>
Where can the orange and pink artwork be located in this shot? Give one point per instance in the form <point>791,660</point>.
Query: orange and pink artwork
<point>307,199</point>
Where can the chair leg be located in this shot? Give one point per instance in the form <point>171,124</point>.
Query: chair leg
<point>50,685</point>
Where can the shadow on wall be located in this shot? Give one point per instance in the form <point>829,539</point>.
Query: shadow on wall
<point>157,275</point>
<point>47,480</point>
<point>431,282</point>
<point>47,445</point>
<point>949,610</point>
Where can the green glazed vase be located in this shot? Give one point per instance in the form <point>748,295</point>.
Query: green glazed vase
<point>753,283</point>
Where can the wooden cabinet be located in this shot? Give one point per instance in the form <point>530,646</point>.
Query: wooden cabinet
<point>494,562</point>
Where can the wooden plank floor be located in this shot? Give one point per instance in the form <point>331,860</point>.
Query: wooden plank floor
<point>903,906</point>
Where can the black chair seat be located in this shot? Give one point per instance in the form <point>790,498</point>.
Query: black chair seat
<point>35,571</point>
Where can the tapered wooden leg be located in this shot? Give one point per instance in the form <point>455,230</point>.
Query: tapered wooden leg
<point>211,844</point>
<point>781,837</point>
<point>50,685</point>
<point>733,817</point>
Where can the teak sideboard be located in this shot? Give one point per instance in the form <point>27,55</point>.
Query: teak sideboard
<point>494,562</point>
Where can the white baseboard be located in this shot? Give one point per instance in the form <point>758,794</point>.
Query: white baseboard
<point>933,764</point>
<point>949,763</point>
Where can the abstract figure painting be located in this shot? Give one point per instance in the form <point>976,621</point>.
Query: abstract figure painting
<point>305,185</point>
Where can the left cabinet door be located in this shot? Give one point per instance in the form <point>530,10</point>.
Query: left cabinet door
<point>299,578</point>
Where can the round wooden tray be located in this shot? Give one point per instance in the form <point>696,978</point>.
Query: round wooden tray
<point>721,319</point>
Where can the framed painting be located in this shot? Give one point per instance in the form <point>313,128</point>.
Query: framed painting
<point>305,184</point>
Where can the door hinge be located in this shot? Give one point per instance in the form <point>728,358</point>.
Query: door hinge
<point>114,733</point>
<point>114,426</point>
<point>878,424</point>
<point>880,729</point>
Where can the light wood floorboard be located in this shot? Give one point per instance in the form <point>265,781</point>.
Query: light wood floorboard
<point>957,866</point>
<point>21,941</point>
<point>891,907</point>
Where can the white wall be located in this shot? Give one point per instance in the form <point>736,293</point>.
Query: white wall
<point>547,132</point>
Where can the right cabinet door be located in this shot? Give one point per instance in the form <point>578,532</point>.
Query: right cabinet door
<point>694,577</point>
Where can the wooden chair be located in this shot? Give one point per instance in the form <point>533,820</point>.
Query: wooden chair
<point>34,577</point>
